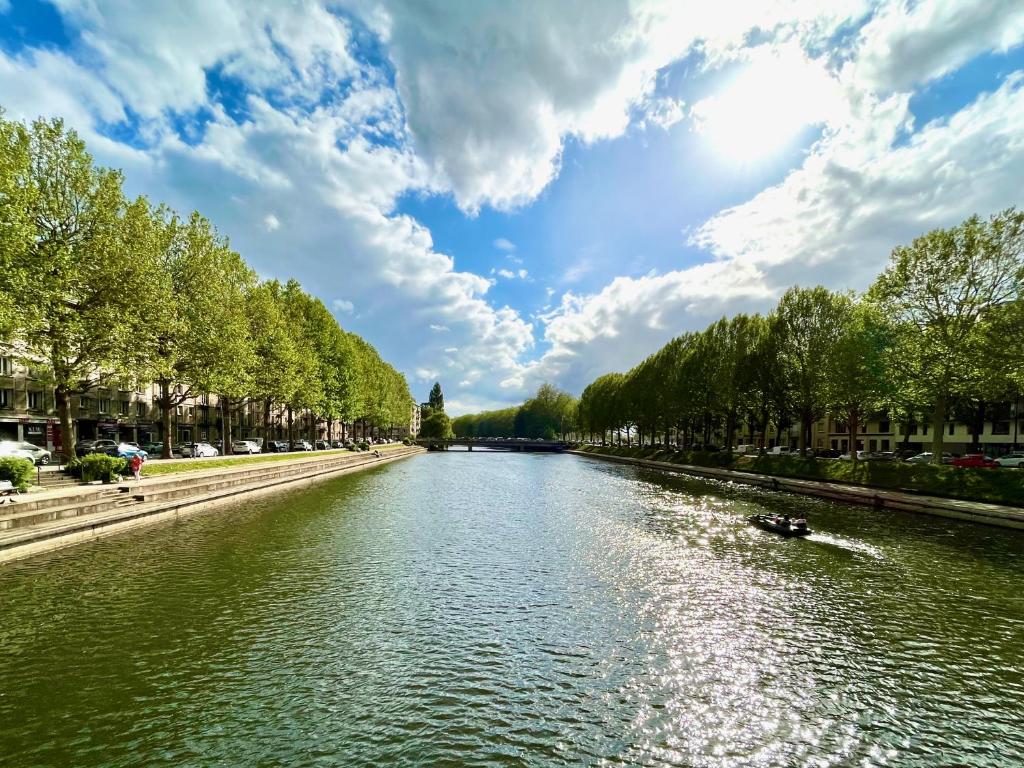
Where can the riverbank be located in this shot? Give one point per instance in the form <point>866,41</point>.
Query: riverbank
<point>1002,515</point>
<point>41,522</point>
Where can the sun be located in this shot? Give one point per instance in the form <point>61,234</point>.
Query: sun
<point>765,106</point>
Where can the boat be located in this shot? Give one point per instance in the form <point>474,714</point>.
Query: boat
<point>778,524</point>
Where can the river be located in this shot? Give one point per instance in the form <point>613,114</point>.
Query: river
<point>470,609</point>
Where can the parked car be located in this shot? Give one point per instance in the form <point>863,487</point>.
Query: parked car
<point>277,446</point>
<point>1015,459</point>
<point>82,447</point>
<point>245,446</point>
<point>156,450</point>
<point>23,450</point>
<point>302,445</point>
<point>926,458</point>
<point>128,450</point>
<point>747,449</point>
<point>780,450</point>
<point>198,450</point>
<point>338,444</point>
<point>828,453</point>
<point>975,461</point>
<point>322,445</point>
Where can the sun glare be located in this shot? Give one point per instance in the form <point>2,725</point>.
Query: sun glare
<point>765,106</point>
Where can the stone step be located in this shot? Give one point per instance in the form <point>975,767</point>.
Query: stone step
<point>17,517</point>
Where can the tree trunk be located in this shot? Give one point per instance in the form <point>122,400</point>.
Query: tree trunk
<point>852,426</point>
<point>938,421</point>
<point>805,419</point>
<point>266,422</point>
<point>67,435</point>
<point>730,426</point>
<point>291,427</point>
<point>165,417</point>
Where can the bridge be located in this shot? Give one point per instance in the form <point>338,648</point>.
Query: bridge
<point>493,444</point>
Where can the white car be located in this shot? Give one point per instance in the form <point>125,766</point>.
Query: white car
<point>780,450</point>
<point>926,458</point>
<point>1015,459</point>
<point>199,450</point>
<point>245,446</point>
<point>22,450</point>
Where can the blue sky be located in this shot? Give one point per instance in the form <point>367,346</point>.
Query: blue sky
<point>499,194</point>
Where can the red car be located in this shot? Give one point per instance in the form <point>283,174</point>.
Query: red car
<point>975,460</point>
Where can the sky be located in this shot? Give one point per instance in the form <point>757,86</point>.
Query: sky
<point>498,194</point>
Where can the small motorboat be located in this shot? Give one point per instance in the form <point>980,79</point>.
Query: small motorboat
<point>781,525</point>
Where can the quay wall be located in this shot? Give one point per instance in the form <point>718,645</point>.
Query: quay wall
<point>978,512</point>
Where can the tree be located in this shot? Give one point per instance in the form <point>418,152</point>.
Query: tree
<point>436,398</point>
<point>857,380</point>
<point>203,327</point>
<point>436,425</point>
<point>941,289</point>
<point>89,309</point>
<point>17,228</point>
<point>809,323</point>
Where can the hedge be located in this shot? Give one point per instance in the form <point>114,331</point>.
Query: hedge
<point>19,471</point>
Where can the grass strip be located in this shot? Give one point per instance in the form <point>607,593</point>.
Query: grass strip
<point>993,486</point>
<point>169,467</point>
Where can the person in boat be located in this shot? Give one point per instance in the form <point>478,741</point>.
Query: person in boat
<point>785,521</point>
<point>800,522</point>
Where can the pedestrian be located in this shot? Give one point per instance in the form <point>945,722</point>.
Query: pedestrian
<point>135,464</point>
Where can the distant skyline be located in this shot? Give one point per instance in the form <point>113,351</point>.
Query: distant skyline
<point>498,194</point>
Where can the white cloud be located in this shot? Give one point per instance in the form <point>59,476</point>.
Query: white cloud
<point>837,217</point>
<point>631,318</point>
<point>343,305</point>
<point>503,244</point>
<point>907,44</point>
<point>491,90</point>
<point>439,328</point>
<point>664,112</point>
<point>271,223</point>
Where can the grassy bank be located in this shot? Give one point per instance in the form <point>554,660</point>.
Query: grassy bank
<point>155,468</point>
<point>996,486</point>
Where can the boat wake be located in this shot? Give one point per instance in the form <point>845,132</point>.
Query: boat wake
<point>849,544</point>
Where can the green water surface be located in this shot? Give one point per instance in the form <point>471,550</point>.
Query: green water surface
<point>475,609</point>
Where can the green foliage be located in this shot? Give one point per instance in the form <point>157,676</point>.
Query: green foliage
<point>436,398</point>
<point>99,466</point>
<point>363,446</point>
<point>21,472</point>
<point>436,424</point>
<point>102,288</point>
<point>940,330</point>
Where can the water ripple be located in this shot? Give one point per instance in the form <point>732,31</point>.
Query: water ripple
<point>523,611</point>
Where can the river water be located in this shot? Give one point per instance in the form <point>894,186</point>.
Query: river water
<point>474,609</point>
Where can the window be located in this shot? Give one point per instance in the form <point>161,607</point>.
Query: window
<point>872,445</point>
<point>124,407</point>
<point>178,410</point>
<point>1000,427</point>
<point>912,428</point>
<point>884,426</point>
<point>924,429</point>
<point>842,426</point>
<point>140,409</point>
<point>35,401</point>
<point>204,399</point>
<point>6,396</point>
<point>85,404</point>
<point>6,366</point>
<point>885,445</point>
<point>952,427</point>
<point>103,405</point>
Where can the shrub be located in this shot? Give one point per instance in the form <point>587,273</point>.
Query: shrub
<point>406,441</point>
<point>99,466</point>
<point>364,446</point>
<point>18,471</point>
<point>74,467</point>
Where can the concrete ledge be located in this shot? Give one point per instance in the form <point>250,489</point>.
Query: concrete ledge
<point>975,511</point>
<point>25,542</point>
